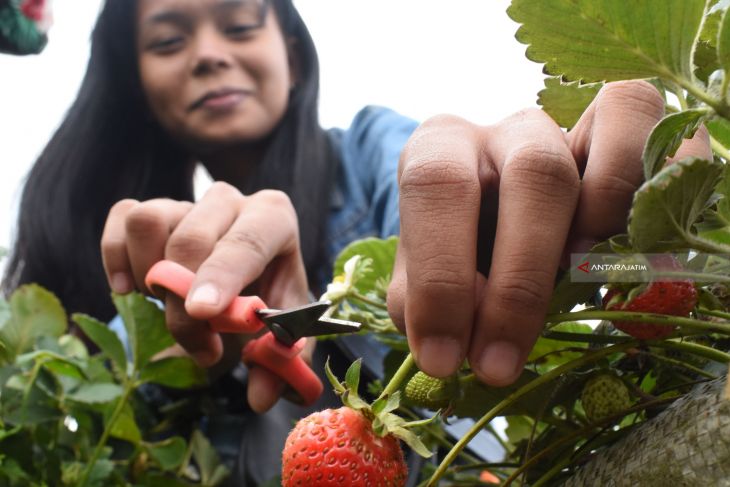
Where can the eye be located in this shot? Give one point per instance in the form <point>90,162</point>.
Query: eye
<point>239,30</point>
<point>166,45</point>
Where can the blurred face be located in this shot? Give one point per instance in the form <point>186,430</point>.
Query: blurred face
<point>215,72</point>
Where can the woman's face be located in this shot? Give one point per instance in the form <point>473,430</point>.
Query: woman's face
<point>215,72</point>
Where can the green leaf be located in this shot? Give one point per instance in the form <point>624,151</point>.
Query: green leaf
<point>334,381</point>
<point>73,347</point>
<point>608,40</point>
<point>382,255</point>
<point>548,353</point>
<point>125,427</point>
<point>705,56</point>
<point>145,324</point>
<point>169,454</point>
<point>54,362</point>
<point>568,294</point>
<point>176,372</point>
<point>719,129</point>
<point>35,312</point>
<point>413,441</point>
<point>211,469</point>
<point>667,136</point>
<point>100,472</point>
<point>477,398</point>
<point>723,42</point>
<point>352,376</point>
<point>715,225</point>
<point>565,102</point>
<point>99,393</point>
<point>387,404</point>
<point>666,207</point>
<point>104,338</point>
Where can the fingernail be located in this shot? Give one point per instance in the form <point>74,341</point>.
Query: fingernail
<point>121,283</point>
<point>206,294</point>
<point>439,356</point>
<point>499,362</point>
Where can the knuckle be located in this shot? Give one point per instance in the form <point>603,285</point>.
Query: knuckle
<point>614,187</point>
<point>275,198</point>
<point>633,95</point>
<point>249,241</point>
<point>520,291</point>
<point>221,189</point>
<point>186,244</point>
<point>144,219</point>
<point>443,279</point>
<point>122,206</point>
<point>442,171</point>
<point>541,162</point>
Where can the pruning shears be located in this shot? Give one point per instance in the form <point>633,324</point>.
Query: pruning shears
<point>278,349</point>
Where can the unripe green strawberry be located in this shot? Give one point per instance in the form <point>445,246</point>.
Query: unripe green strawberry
<point>429,392</point>
<point>604,395</point>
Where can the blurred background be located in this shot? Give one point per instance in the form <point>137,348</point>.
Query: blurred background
<point>419,57</point>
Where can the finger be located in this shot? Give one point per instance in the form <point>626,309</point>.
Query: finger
<point>264,389</point>
<point>195,237</point>
<point>114,248</point>
<point>609,140</point>
<point>397,290</point>
<point>265,235</point>
<point>440,193</point>
<point>539,187</point>
<point>147,227</point>
<point>698,146</point>
<point>196,337</point>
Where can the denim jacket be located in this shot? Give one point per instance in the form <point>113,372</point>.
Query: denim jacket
<point>365,198</point>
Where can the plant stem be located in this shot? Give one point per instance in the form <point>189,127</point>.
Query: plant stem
<point>679,363</point>
<point>128,388</point>
<point>720,107</point>
<point>714,312</point>
<point>367,300</point>
<point>719,149</point>
<point>584,337</point>
<point>688,323</point>
<point>583,432</point>
<point>543,379</point>
<point>399,377</point>
<point>706,245</point>
<point>696,276</point>
<point>695,349</point>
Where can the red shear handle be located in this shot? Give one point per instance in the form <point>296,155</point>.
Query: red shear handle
<point>286,363</point>
<point>239,317</point>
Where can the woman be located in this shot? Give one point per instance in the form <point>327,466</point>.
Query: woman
<point>233,84</point>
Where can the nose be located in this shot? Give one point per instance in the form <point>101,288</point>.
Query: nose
<point>211,52</point>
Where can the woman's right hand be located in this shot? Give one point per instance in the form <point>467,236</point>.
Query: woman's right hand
<point>232,242</point>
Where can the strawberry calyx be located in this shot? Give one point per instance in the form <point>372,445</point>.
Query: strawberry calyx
<point>381,412</point>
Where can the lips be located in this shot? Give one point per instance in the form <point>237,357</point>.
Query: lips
<point>222,96</point>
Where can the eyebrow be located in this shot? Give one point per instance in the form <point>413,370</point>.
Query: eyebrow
<point>167,17</point>
<point>176,17</point>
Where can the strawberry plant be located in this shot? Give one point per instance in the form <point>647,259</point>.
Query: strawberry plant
<point>70,417</point>
<point>641,398</point>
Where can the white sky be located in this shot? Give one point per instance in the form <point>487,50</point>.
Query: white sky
<point>419,57</point>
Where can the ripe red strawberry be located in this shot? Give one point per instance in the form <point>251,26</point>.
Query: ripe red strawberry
<point>338,447</point>
<point>676,298</point>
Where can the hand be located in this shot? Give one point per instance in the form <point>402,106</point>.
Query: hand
<point>232,242</point>
<point>536,194</point>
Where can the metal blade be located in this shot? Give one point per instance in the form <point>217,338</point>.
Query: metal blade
<point>290,325</point>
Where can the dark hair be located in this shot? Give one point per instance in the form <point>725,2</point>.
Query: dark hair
<point>109,147</point>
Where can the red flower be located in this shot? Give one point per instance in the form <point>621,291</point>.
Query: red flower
<point>33,9</point>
